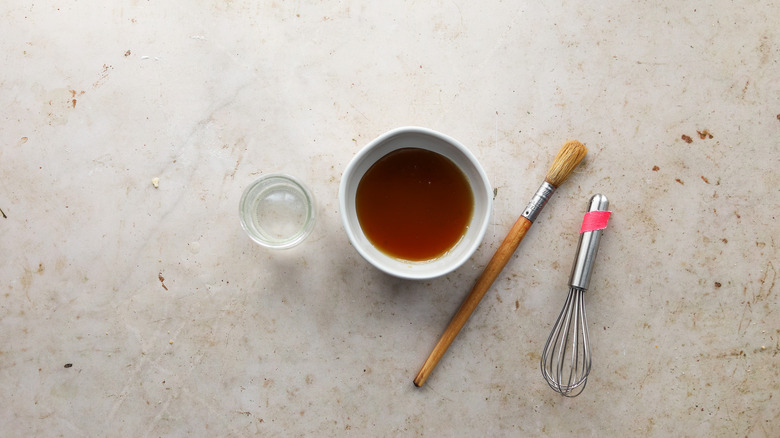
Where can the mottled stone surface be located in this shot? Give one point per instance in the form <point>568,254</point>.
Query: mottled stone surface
<point>130,310</point>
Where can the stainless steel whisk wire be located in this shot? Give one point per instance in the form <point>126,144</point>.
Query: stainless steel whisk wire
<point>566,360</point>
<point>562,379</point>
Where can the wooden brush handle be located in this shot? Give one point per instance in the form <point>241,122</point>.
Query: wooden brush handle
<point>493,268</point>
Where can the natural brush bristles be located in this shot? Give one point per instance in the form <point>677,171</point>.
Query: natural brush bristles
<point>564,163</point>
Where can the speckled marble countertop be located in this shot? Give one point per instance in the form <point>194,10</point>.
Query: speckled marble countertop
<point>130,310</point>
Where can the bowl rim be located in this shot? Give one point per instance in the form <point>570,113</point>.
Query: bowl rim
<point>483,214</point>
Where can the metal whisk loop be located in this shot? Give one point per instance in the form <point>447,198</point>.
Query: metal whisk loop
<point>566,356</point>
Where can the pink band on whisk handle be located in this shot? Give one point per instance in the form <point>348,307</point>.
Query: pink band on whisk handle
<point>595,220</point>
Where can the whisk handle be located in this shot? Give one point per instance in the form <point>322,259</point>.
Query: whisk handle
<point>588,247</point>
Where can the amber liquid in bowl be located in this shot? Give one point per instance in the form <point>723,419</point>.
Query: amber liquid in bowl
<point>414,204</point>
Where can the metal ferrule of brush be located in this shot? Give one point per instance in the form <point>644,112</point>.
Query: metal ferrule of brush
<point>540,198</point>
<point>587,248</point>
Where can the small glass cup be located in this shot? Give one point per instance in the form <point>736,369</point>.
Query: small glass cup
<point>277,211</point>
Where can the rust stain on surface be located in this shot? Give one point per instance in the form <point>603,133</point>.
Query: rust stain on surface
<point>73,94</point>
<point>103,75</point>
<point>687,139</point>
<point>162,280</point>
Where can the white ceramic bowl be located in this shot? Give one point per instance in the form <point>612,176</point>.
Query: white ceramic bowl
<point>426,139</point>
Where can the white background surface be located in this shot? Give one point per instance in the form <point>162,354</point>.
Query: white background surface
<point>176,324</point>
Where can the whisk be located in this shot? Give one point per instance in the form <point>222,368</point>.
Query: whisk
<point>565,359</point>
